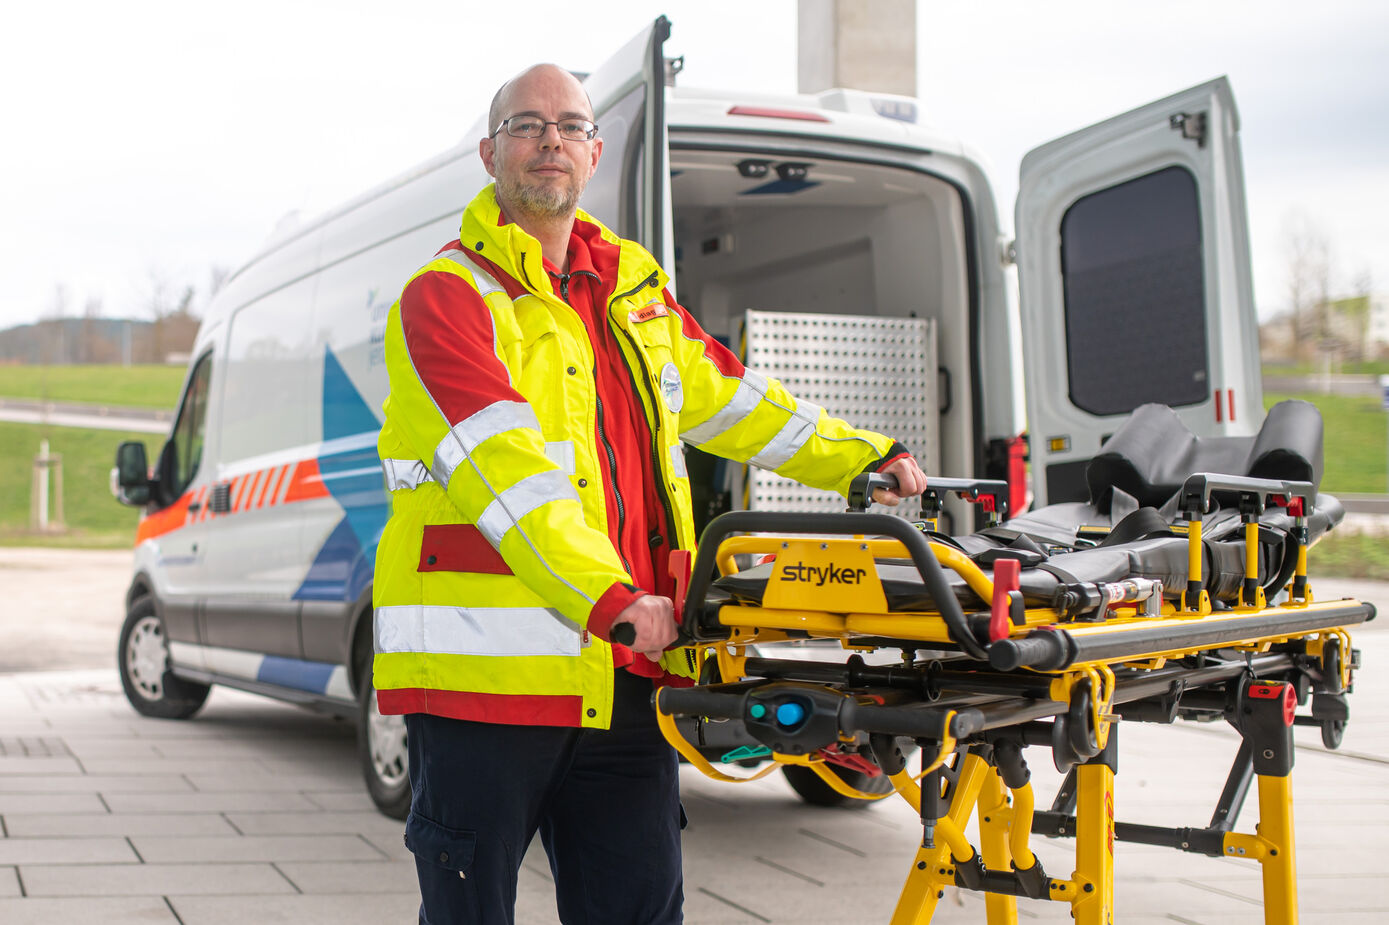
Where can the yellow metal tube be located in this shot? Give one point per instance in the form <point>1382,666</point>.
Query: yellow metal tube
<point>1193,553</point>
<point>995,816</point>
<point>1021,829</point>
<point>1094,904</point>
<point>1279,863</point>
<point>1251,551</point>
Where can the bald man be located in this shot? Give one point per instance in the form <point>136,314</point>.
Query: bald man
<point>542,384</point>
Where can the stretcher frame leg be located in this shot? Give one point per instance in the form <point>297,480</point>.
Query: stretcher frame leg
<point>933,868</point>
<point>995,822</point>
<point>1094,873</point>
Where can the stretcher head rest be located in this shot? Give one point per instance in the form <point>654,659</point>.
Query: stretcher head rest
<point>1153,452</point>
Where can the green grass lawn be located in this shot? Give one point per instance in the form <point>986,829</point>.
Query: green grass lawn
<point>125,386</point>
<point>1356,430</point>
<point>94,518</point>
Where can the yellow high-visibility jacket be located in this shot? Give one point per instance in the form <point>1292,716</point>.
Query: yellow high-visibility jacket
<point>496,580</point>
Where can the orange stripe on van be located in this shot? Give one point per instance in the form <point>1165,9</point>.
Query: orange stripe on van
<point>165,521</point>
<point>272,484</point>
<point>307,482</point>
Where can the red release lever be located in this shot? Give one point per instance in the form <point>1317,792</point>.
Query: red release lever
<point>680,564</point>
<point>1007,578</point>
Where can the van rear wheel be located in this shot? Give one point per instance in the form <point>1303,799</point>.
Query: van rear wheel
<point>143,660</point>
<point>381,748</point>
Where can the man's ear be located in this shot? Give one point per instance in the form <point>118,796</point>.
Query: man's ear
<point>487,150</point>
<point>597,153</point>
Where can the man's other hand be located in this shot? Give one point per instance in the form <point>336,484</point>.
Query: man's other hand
<point>653,617</point>
<point>911,481</point>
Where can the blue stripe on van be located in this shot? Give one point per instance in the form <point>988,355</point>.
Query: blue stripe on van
<point>291,672</point>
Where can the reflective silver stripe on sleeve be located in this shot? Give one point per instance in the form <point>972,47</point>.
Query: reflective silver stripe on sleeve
<point>485,282</point>
<point>751,390</point>
<point>522,498</point>
<point>792,436</point>
<point>405,473</point>
<point>500,631</point>
<point>459,443</point>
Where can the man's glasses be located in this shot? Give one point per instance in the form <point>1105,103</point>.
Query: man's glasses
<point>534,127</point>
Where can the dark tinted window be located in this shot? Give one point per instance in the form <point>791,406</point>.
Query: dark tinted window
<point>1135,295</point>
<point>190,429</point>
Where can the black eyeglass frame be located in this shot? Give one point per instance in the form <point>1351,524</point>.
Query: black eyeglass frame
<point>506,124</point>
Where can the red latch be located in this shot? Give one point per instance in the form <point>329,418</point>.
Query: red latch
<point>1275,691</point>
<point>1007,578</point>
<point>680,564</point>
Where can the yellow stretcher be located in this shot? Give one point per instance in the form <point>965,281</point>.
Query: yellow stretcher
<point>1005,656</point>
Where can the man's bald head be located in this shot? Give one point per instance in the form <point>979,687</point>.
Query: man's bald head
<point>501,100</point>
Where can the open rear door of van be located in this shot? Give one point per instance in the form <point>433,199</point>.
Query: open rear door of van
<point>1134,281</point>
<point>630,193</point>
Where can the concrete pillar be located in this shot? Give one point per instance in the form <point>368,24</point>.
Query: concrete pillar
<point>857,45</point>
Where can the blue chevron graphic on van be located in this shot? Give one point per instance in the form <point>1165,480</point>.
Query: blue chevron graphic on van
<point>351,472</point>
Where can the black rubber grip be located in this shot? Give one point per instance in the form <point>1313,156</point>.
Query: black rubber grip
<point>624,633</point>
<point>928,723</point>
<point>1048,650</point>
<point>700,701</point>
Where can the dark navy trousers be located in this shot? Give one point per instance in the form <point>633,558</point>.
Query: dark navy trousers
<point>606,803</point>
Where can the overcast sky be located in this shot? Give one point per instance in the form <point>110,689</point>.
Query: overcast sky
<point>154,140</point>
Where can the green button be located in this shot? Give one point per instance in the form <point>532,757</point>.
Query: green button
<point>757,711</point>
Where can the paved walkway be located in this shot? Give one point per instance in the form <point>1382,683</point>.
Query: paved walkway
<point>254,812</point>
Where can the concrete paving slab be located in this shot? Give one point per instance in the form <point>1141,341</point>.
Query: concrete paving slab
<point>93,783</point>
<point>139,910</point>
<point>50,803</point>
<point>368,823</point>
<point>20,825</point>
<point>9,884</point>
<point>17,851</point>
<point>156,849</point>
<point>351,876</point>
<point>12,766</point>
<point>153,880</point>
<point>251,801</point>
<point>268,782</point>
<point>399,907</point>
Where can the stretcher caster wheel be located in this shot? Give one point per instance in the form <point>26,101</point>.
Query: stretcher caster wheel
<point>810,788</point>
<point>1331,667</point>
<point>1332,731</point>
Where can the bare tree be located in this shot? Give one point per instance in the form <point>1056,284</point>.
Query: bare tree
<point>1309,283</point>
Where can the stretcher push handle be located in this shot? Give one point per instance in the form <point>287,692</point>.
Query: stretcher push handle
<point>1196,492</point>
<point>990,494</point>
<point>777,522</point>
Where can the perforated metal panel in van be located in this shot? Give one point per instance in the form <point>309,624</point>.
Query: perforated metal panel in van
<point>876,373</point>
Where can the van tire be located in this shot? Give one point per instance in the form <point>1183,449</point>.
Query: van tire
<point>381,751</point>
<point>810,788</point>
<point>142,657</point>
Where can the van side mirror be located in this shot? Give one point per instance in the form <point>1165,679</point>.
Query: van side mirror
<point>130,481</point>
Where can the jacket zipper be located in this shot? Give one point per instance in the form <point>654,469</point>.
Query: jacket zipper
<point>607,445</point>
<point>655,438</point>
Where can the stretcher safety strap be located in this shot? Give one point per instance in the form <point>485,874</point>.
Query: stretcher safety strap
<point>500,631</point>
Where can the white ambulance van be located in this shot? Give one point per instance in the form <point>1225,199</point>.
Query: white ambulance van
<point>253,563</point>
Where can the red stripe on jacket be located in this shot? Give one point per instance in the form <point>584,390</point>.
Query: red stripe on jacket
<point>451,338</point>
<point>508,709</point>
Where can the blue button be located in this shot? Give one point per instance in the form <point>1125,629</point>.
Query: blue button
<point>757,711</point>
<point>790,714</point>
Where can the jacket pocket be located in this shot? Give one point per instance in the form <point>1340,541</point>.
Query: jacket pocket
<point>459,548</point>
<point>439,845</point>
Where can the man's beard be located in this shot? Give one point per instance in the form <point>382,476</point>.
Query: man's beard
<point>541,201</point>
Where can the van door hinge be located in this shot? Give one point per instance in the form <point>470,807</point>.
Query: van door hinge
<point>1008,252</point>
<point>1191,125</point>
<point>673,66</point>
